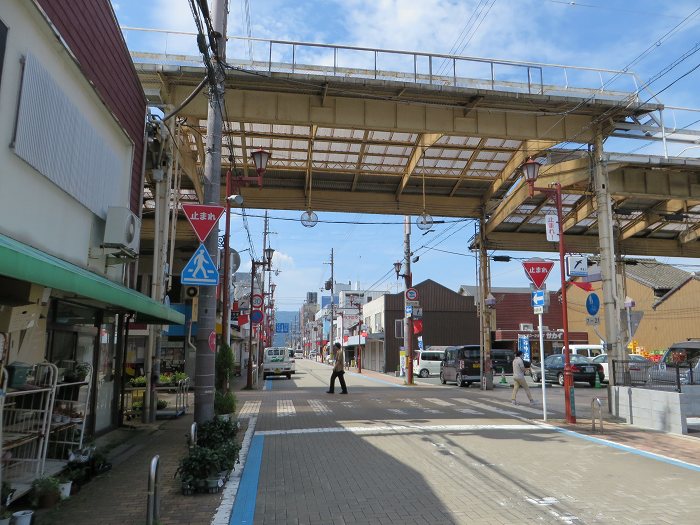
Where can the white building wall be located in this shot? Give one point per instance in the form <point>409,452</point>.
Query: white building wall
<point>33,209</point>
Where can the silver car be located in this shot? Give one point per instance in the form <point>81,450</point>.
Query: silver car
<point>680,361</point>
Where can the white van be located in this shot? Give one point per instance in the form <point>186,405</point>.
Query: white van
<point>277,361</point>
<point>590,351</point>
<point>427,362</point>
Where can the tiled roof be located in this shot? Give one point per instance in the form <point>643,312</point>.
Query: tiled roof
<point>656,275</point>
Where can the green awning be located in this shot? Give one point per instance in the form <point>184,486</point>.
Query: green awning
<point>23,262</point>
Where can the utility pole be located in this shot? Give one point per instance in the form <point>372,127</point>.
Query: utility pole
<point>606,240</point>
<point>484,311</point>
<point>204,374</point>
<point>407,324</point>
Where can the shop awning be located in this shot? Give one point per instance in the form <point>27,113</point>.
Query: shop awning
<point>23,262</point>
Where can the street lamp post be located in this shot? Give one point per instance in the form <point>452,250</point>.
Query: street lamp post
<point>254,264</point>
<point>531,169</point>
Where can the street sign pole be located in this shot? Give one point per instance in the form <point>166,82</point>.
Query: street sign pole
<point>544,388</point>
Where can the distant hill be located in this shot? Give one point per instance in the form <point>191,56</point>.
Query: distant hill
<point>289,318</point>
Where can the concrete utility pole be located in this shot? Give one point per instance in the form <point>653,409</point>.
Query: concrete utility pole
<point>407,324</point>
<point>204,374</point>
<point>606,242</point>
<point>484,311</point>
<point>263,323</point>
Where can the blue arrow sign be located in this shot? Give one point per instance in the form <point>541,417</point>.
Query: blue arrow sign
<point>592,304</point>
<point>538,298</point>
<point>200,270</point>
<point>282,328</point>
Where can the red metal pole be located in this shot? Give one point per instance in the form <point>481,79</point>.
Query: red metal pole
<point>568,375</point>
<point>225,303</point>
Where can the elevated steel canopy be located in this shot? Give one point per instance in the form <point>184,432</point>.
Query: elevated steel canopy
<point>364,130</point>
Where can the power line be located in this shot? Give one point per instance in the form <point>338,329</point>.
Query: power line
<point>357,223</point>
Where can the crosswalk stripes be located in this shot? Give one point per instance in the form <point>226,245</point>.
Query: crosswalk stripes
<point>318,407</point>
<point>439,402</point>
<point>285,408</point>
<point>250,409</point>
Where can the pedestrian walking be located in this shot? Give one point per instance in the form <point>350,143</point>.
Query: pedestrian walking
<point>338,370</point>
<point>519,378</point>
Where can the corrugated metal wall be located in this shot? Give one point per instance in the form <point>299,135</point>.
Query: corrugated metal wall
<point>55,138</point>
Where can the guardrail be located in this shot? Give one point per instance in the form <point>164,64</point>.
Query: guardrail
<point>654,376</point>
<point>284,56</point>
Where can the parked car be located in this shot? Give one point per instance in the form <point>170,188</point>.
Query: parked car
<point>583,370</point>
<point>277,361</point>
<point>638,364</point>
<point>298,354</point>
<point>427,362</point>
<point>502,360</point>
<point>462,364</point>
<point>682,359</point>
<point>586,350</point>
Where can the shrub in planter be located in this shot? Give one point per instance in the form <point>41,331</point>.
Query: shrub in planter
<point>162,404</point>
<point>46,491</point>
<point>179,376</point>
<point>165,380</point>
<point>228,455</point>
<point>215,433</point>
<point>223,368</point>
<point>199,465</point>
<point>224,403</point>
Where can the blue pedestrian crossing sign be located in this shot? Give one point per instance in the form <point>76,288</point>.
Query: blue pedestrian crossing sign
<point>200,270</point>
<point>538,297</point>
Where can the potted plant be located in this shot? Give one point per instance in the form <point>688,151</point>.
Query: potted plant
<point>46,491</point>
<point>199,466</point>
<point>65,485</point>
<point>139,381</point>
<point>5,498</point>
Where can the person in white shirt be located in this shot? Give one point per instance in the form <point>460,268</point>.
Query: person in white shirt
<point>519,378</point>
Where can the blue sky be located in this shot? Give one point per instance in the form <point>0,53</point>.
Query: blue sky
<point>595,33</point>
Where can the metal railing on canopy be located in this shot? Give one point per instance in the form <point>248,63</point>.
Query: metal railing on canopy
<point>178,48</point>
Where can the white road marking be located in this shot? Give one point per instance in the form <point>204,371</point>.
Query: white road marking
<point>319,408</point>
<point>469,411</point>
<point>439,402</point>
<point>250,409</point>
<point>526,407</point>
<point>404,429</point>
<point>285,408</point>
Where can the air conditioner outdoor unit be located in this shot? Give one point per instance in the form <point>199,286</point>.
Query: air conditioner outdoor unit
<point>122,230</point>
<point>526,327</point>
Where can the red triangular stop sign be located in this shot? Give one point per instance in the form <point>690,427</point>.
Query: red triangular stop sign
<point>537,271</point>
<point>202,217</point>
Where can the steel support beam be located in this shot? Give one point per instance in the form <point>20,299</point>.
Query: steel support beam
<point>424,141</point>
<point>566,173</point>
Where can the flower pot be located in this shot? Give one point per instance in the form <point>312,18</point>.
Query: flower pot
<point>65,489</point>
<point>23,517</point>
<point>187,489</point>
<point>213,485</point>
